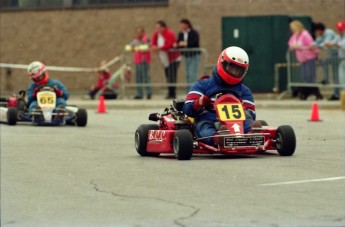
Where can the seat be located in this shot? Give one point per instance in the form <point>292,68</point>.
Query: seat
<point>178,104</point>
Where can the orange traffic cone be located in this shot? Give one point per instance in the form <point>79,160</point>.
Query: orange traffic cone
<point>315,112</point>
<point>101,105</point>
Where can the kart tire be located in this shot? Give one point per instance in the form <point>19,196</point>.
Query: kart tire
<point>183,144</point>
<point>263,123</point>
<point>12,116</point>
<point>81,118</point>
<point>141,139</point>
<point>285,140</point>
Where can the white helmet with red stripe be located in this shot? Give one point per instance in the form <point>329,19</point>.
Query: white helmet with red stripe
<point>37,72</point>
<point>232,65</point>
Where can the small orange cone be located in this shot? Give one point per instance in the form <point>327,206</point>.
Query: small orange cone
<point>101,105</point>
<point>315,112</point>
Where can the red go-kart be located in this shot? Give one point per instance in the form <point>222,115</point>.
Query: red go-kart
<point>174,133</point>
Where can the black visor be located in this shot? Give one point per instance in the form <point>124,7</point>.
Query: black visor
<point>40,77</point>
<point>233,69</point>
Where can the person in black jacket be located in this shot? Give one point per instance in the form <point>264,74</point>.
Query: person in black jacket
<point>189,38</point>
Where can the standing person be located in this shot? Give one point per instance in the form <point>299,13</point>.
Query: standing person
<point>325,35</point>
<point>306,54</point>
<point>163,40</point>
<point>189,38</point>
<point>340,44</point>
<point>142,59</point>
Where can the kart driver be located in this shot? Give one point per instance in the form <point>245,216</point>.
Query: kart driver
<point>38,73</point>
<point>232,65</point>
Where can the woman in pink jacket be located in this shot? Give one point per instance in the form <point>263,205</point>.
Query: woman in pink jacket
<point>306,54</point>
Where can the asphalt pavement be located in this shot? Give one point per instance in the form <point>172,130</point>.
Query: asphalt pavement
<point>92,176</point>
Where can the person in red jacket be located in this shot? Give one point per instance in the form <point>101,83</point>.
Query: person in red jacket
<point>163,41</point>
<point>103,77</point>
<point>142,58</point>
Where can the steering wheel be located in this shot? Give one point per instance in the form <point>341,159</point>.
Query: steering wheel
<point>224,92</point>
<point>46,88</point>
<point>219,93</point>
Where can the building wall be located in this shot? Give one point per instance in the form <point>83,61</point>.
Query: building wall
<point>84,37</point>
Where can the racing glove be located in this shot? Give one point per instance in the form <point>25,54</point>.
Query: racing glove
<point>201,102</point>
<point>58,93</point>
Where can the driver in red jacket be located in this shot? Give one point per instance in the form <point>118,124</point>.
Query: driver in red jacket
<point>232,65</point>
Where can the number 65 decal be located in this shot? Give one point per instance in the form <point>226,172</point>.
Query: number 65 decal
<point>231,112</point>
<point>45,100</point>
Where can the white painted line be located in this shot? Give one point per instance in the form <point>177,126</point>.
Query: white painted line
<point>304,181</point>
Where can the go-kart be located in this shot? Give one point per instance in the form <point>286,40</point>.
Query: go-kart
<point>15,109</point>
<point>174,133</point>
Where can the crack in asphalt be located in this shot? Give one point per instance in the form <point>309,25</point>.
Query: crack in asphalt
<point>177,221</point>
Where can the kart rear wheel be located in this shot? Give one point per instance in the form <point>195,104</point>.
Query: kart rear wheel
<point>141,135</point>
<point>263,123</point>
<point>285,140</point>
<point>183,144</point>
<point>81,118</point>
<point>12,116</point>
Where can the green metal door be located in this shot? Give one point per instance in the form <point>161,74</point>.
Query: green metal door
<point>265,40</point>
<point>254,36</point>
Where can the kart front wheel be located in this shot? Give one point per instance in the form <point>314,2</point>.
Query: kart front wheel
<point>183,144</point>
<point>12,115</point>
<point>81,118</point>
<point>285,140</point>
<point>141,135</point>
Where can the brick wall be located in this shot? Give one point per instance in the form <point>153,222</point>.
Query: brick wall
<point>84,37</point>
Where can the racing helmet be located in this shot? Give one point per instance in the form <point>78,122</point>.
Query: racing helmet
<point>232,65</point>
<point>38,73</point>
<point>340,26</point>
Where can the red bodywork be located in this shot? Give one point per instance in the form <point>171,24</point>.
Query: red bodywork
<point>161,140</point>
<point>12,102</point>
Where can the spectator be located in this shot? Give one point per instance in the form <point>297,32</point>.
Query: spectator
<point>103,77</point>
<point>325,35</point>
<point>301,42</point>
<point>340,44</point>
<point>189,38</point>
<point>142,59</point>
<point>162,41</point>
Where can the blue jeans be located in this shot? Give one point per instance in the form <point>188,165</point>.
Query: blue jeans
<point>59,102</point>
<point>333,61</point>
<point>309,71</point>
<point>171,76</point>
<point>142,77</point>
<point>341,74</point>
<point>192,68</point>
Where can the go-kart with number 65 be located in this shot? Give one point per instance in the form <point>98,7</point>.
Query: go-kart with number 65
<point>15,109</point>
<point>174,133</point>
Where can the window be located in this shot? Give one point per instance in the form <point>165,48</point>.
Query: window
<point>58,4</point>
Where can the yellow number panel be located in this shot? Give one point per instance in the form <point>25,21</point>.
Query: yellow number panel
<point>231,112</point>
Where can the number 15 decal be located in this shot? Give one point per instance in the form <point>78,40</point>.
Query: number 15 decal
<point>231,112</point>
